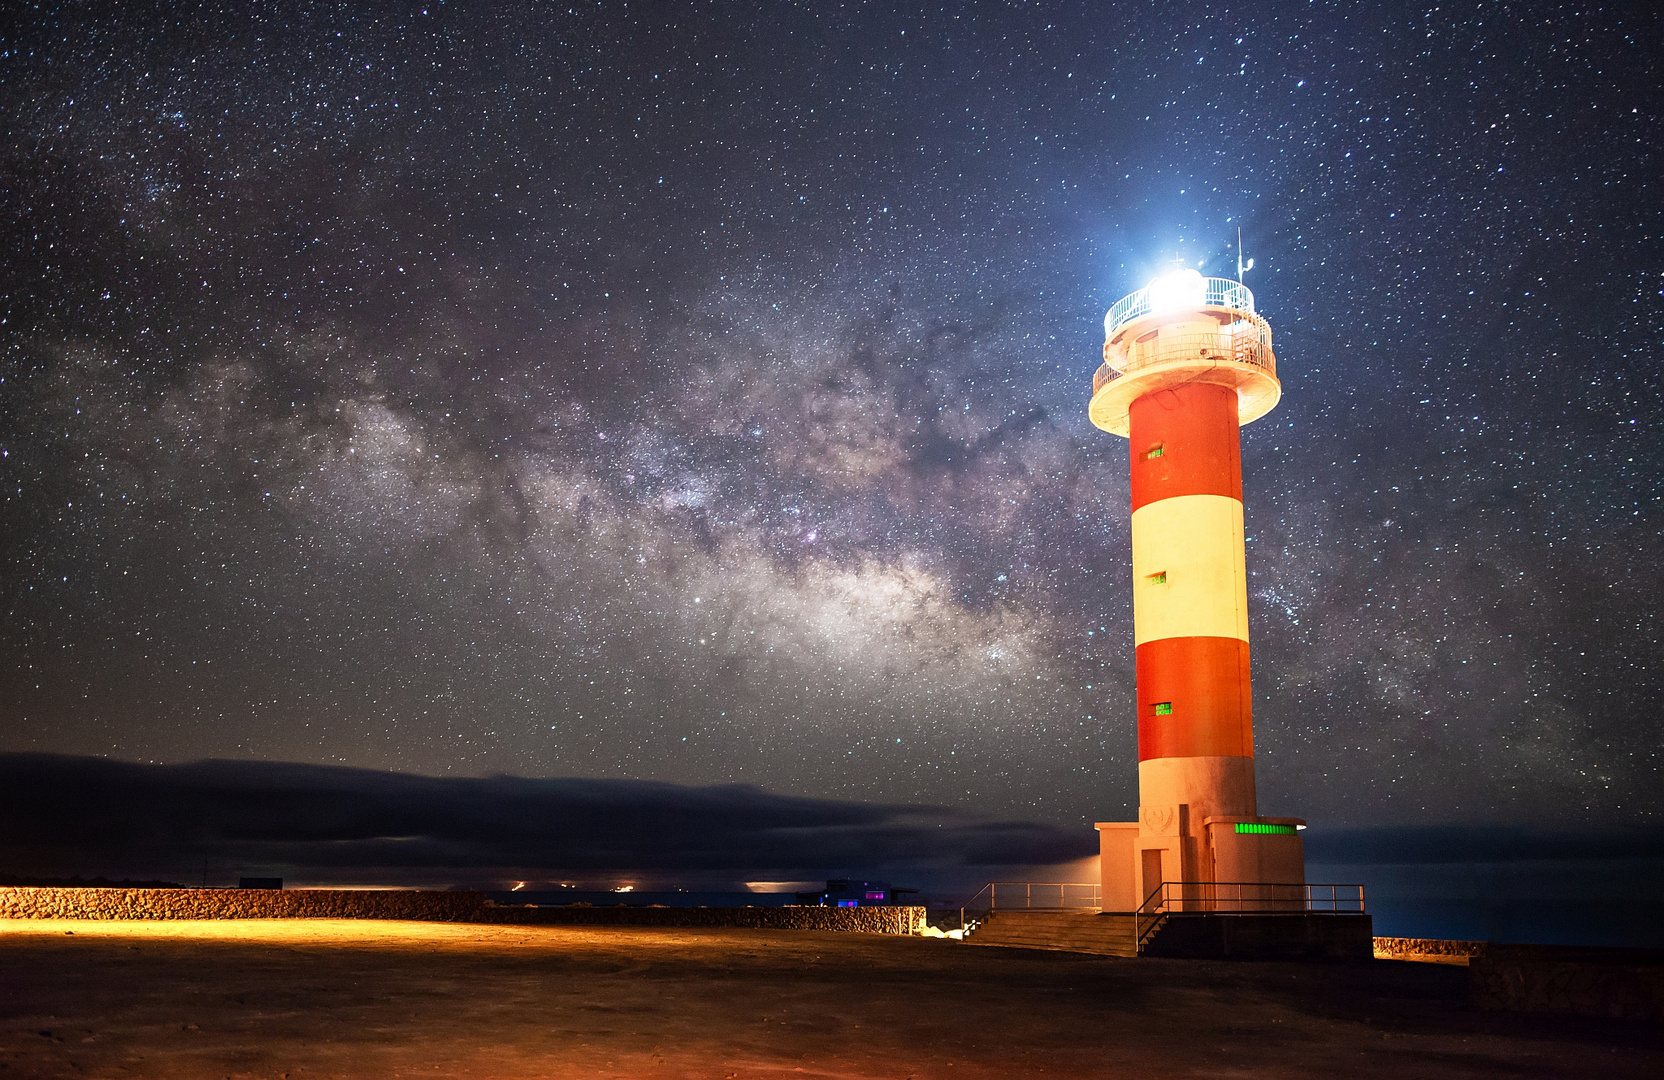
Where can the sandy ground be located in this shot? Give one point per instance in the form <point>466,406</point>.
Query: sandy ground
<point>383,999</point>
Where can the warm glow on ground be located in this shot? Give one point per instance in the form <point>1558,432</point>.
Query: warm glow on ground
<point>344,933</point>
<point>345,998</point>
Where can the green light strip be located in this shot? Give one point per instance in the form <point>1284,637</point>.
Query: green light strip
<point>1260,827</point>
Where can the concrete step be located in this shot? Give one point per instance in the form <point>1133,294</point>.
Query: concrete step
<point>1082,932</point>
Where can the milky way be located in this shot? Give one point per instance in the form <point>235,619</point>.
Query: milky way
<point>696,393</point>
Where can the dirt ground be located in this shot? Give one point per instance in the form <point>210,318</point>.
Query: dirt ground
<point>383,999</point>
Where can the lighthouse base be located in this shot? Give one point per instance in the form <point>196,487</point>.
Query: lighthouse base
<point>1167,845</point>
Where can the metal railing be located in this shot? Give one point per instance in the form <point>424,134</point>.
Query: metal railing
<point>1029,896</point>
<point>1253,897</point>
<point>1241,898</point>
<point>1242,343</point>
<point>1148,918</point>
<point>1216,292</point>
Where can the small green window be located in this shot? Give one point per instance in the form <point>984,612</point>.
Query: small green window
<point>1261,828</point>
<point>1153,452</point>
<point>1158,578</point>
<point>1162,708</point>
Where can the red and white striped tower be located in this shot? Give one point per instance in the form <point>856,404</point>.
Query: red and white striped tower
<point>1186,363</point>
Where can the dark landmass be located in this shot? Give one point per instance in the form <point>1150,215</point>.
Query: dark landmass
<point>12,881</point>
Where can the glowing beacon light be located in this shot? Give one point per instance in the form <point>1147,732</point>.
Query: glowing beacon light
<point>1187,361</point>
<point>1176,291</point>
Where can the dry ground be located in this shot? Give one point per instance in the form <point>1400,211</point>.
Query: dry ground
<point>382,999</point>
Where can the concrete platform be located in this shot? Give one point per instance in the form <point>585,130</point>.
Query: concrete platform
<point>1295,936</point>
<point>322,998</point>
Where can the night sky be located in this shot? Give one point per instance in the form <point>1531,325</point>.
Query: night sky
<point>696,393</point>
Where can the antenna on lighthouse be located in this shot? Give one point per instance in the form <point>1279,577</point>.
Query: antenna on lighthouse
<point>1241,267</point>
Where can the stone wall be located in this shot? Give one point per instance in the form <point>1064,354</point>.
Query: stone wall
<point>861,920</point>
<point>426,906</point>
<point>1437,950</point>
<point>430,906</point>
<point>1625,984</point>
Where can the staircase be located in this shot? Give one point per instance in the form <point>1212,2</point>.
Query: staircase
<point>1059,931</point>
<point>1189,919</point>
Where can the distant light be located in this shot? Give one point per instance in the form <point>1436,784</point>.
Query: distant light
<point>625,888</point>
<point>781,886</point>
<point>1176,291</point>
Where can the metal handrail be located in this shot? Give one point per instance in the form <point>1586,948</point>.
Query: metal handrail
<point>1142,930</point>
<point>1020,895</point>
<point>1218,292</point>
<point>1253,897</point>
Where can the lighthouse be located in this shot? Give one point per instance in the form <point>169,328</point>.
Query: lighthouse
<point>1186,362</point>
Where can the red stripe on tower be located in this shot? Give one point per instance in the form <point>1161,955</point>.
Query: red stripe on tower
<point>1203,684</point>
<point>1185,440</point>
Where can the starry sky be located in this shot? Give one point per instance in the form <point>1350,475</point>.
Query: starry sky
<point>695,393</point>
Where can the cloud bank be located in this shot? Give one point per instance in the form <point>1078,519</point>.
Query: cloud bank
<point>67,816</point>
